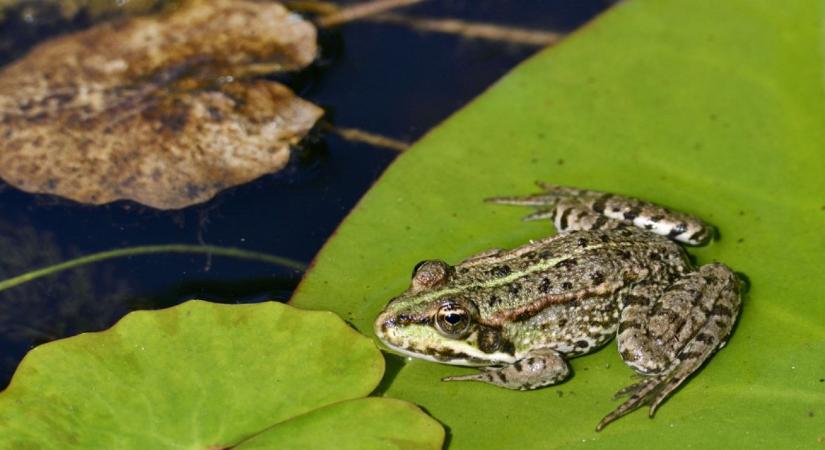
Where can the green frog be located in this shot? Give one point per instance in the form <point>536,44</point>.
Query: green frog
<point>615,268</point>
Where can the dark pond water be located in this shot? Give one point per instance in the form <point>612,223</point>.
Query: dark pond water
<point>385,79</point>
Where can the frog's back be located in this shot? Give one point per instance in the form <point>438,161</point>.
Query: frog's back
<point>572,267</point>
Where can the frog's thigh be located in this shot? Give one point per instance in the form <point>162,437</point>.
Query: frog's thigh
<point>541,368</point>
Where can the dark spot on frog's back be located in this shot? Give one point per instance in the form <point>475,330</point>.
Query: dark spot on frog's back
<point>567,263</point>
<point>597,278</point>
<point>582,344</point>
<point>545,286</point>
<point>582,242</point>
<point>500,271</point>
<point>567,285</point>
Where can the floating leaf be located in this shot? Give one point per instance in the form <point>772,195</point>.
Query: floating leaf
<point>716,109</point>
<point>156,109</point>
<point>204,375</point>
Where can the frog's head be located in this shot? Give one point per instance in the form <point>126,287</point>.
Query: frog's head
<point>433,320</point>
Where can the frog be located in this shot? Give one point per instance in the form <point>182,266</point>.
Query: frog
<point>616,268</point>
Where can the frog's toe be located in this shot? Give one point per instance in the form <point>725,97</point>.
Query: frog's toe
<point>640,394</point>
<point>629,390</point>
<point>481,376</point>
<point>541,214</point>
<point>538,200</point>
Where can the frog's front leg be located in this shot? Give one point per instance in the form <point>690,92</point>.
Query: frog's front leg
<point>573,209</point>
<point>540,368</point>
<point>667,340</point>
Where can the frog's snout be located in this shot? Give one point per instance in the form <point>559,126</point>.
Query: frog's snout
<point>382,325</point>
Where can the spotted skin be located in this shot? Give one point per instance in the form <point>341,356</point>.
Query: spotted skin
<point>613,270</point>
<point>581,209</point>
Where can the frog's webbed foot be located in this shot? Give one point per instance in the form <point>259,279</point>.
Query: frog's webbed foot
<point>542,368</point>
<point>580,209</point>
<point>671,339</point>
<point>651,391</point>
<point>645,392</point>
<point>633,388</point>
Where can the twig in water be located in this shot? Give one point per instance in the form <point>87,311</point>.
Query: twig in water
<point>356,135</point>
<point>361,10</point>
<point>472,30</point>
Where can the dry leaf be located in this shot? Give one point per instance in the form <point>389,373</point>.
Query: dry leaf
<point>156,109</point>
<point>54,10</point>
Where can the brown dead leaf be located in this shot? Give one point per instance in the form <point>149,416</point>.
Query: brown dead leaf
<point>36,11</point>
<point>157,109</point>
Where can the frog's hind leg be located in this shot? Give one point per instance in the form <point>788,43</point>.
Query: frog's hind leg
<point>649,216</point>
<point>670,339</point>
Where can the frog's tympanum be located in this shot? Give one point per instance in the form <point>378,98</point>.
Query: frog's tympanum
<point>614,269</point>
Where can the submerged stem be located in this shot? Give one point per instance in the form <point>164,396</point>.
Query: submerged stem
<point>147,249</point>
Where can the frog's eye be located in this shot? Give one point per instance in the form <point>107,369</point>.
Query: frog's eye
<point>452,320</point>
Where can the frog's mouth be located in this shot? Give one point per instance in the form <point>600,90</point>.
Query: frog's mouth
<point>439,356</point>
<point>424,342</point>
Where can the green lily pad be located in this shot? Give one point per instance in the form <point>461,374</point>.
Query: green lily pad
<point>715,108</point>
<point>208,376</point>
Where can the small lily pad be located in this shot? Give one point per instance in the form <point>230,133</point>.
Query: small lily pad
<point>161,109</point>
<point>208,376</point>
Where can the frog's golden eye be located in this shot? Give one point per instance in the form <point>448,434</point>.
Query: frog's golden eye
<point>452,320</point>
